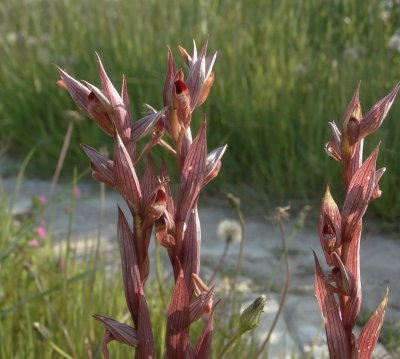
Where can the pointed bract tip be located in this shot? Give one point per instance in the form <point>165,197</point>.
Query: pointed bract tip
<point>328,195</point>
<point>358,86</point>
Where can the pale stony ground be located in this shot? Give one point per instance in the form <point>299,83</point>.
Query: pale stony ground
<point>299,328</point>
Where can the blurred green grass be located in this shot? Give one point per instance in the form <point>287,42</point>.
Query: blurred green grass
<point>47,297</point>
<point>284,69</point>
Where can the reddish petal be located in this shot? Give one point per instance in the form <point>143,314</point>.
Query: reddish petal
<point>169,78</point>
<point>351,148</point>
<point>374,118</point>
<point>195,80</point>
<point>121,115</point>
<point>352,304</point>
<point>168,191</point>
<point>154,207</point>
<point>205,90</point>
<point>358,196</point>
<point>203,346</point>
<point>61,85</point>
<point>149,180</point>
<point>201,305</point>
<point>177,336</point>
<point>333,147</point>
<point>335,332</point>
<point>193,174</point>
<point>146,125</point>
<point>344,279</point>
<point>129,263</point>
<point>125,176</point>
<point>329,226</point>
<point>378,174</point>
<point>163,237</point>
<point>101,166</point>
<point>370,333</point>
<point>181,102</point>
<point>78,92</point>
<point>120,332</point>
<point>191,249</point>
<point>213,163</point>
<point>125,97</point>
<point>210,60</point>
<point>100,110</point>
<point>204,48</point>
<point>186,56</point>
<point>99,95</point>
<point>190,60</point>
<point>353,108</point>
<point>145,349</point>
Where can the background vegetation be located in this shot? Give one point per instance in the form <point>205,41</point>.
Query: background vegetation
<point>284,69</point>
<point>49,291</point>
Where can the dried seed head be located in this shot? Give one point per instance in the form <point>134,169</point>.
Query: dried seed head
<point>280,215</point>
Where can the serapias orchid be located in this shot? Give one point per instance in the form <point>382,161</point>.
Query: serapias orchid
<point>339,292</point>
<point>150,200</point>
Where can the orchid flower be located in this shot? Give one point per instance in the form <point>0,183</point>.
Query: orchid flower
<point>150,199</point>
<point>340,233</point>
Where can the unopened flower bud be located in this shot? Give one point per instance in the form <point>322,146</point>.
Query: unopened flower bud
<point>250,318</point>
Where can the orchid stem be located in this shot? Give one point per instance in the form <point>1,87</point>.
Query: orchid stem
<point>159,276</point>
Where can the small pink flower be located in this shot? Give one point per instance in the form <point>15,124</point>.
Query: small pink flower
<point>43,200</point>
<point>34,243</point>
<point>76,192</point>
<point>40,231</point>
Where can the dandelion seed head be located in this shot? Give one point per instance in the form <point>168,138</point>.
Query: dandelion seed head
<point>230,230</point>
<point>354,53</point>
<point>300,69</point>
<point>394,42</point>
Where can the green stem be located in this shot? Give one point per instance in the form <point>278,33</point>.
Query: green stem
<point>283,293</point>
<point>235,203</point>
<point>70,219</point>
<point>299,224</point>
<point>229,345</point>
<point>61,158</point>
<point>101,220</point>
<point>220,262</point>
